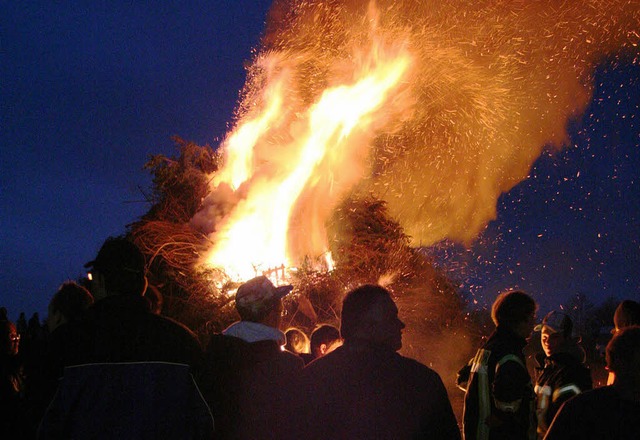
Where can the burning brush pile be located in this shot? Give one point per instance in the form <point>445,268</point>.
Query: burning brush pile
<point>365,131</point>
<point>369,247</point>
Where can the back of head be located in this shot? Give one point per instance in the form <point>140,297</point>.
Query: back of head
<point>324,334</point>
<point>357,304</point>
<point>297,341</point>
<point>257,298</point>
<point>627,314</point>
<point>623,353</point>
<point>511,308</point>
<point>122,266</point>
<point>71,300</point>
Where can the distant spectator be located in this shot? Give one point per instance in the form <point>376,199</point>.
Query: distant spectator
<point>21,324</point>
<point>11,382</point>
<point>135,378</point>
<point>627,314</point>
<point>247,370</point>
<point>365,389</point>
<point>324,339</point>
<point>68,304</point>
<point>561,372</point>
<point>499,395</point>
<point>3,314</point>
<point>297,341</point>
<point>611,412</point>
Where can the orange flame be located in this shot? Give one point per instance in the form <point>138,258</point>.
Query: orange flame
<point>253,237</point>
<point>496,82</point>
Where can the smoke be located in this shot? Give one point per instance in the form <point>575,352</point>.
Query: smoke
<point>492,84</point>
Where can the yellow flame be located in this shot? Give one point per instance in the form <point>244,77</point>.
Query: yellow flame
<point>239,146</point>
<point>253,238</point>
<point>491,85</point>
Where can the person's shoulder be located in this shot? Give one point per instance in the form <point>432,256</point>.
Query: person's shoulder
<point>293,359</point>
<point>603,397</point>
<point>413,366</point>
<point>169,325</point>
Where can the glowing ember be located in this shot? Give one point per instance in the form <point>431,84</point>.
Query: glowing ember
<point>435,107</point>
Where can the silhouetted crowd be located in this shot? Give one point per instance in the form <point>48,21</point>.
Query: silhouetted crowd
<point>109,365</point>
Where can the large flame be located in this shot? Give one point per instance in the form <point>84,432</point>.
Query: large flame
<point>435,107</point>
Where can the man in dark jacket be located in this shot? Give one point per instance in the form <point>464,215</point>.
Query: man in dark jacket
<point>121,342</point>
<point>611,412</point>
<point>247,369</point>
<point>561,372</point>
<point>499,396</point>
<point>365,389</point>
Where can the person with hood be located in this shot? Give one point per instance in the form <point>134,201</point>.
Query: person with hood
<point>561,372</point>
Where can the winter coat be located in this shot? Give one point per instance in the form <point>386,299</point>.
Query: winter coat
<point>600,414</point>
<point>499,399</point>
<point>246,383</point>
<point>560,377</point>
<point>138,400</point>
<point>361,391</point>
<point>128,367</point>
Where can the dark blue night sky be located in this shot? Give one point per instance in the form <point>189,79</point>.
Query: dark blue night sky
<point>90,90</point>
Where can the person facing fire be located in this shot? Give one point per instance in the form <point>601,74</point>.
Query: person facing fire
<point>561,372</point>
<point>364,388</point>
<point>247,368</point>
<point>133,374</point>
<point>627,314</point>
<point>11,382</point>
<point>611,412</point>
<point>324,340</point>
<point>499,395</point>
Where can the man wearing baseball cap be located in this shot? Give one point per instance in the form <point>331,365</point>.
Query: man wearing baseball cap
<point>132,373</point>
<point>247,368</point>
<point>561,372</point>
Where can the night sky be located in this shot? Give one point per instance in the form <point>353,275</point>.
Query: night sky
<point>90,90</point>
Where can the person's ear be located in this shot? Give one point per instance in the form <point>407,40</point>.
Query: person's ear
<point>323,349</point>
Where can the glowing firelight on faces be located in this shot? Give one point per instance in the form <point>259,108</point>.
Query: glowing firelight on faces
<point>253,238</point>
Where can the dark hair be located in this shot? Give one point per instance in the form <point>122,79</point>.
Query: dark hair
<point>297,340</point>
<point>624,349</point>
<point>324,334</point>
<point>511,308</point>
<point>71,300</point>
<point>356,304</point>
<point>627,313</point>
